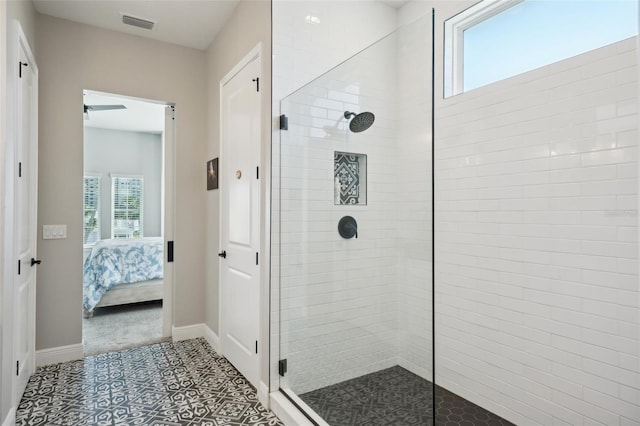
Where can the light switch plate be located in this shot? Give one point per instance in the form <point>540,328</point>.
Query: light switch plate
<point>54,232</point>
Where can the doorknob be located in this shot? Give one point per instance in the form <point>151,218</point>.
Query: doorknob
<point>35,262</point>
<point>223,254</point>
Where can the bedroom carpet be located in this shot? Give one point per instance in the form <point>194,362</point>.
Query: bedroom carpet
<point>120,327</point>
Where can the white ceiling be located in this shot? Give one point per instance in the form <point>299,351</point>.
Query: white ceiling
<point>139,116</point>
<point>396,4</point>
<point>191,23</point>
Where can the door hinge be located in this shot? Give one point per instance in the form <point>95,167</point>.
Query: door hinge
<point>256,258</point>
<point>19,266</point>
<point>284,122</point>
<point>257,80</point>
<point>256,346</point>
<point>282,367</point>
<point>257,172</point>
<point>17,368</point>
<point>169,251</point>
<point>20,169</point>
<point>21,64</point>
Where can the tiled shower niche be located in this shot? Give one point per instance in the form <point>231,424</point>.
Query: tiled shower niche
<point>350,178</point>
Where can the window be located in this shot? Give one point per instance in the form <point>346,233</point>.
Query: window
<point>91,203</point>
<point>497,39</point>
<point>126,206</point>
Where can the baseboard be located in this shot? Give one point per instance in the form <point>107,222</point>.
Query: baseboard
<point>10,420</point>
<point>195,331</point>
<point>212,338</point>
<point>263,394</point>
<point>187,332</point>
<point>59,354</point>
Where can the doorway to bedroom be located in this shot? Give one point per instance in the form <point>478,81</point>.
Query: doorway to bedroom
<point>126,301</point>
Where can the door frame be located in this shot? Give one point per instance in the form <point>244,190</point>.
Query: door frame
<point>5,403</point>
<point>254,54</point>
<point>15,40</point>
<point>167,216</point>
<point>167,196</point>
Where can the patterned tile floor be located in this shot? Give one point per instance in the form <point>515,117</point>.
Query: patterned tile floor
<point>395,396</point>
<point>182,383</point>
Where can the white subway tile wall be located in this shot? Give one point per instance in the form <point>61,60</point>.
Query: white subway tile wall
<point>338,296</point>
<point>349,308</point>
<point>302,51</point>
<point>536,224</point>
<point>536,243</point>
<point>413,192</point>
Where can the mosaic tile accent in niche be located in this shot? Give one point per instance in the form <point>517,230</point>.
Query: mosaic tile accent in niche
<point>350,178</point>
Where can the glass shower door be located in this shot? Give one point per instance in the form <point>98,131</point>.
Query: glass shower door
<point>352,244</point>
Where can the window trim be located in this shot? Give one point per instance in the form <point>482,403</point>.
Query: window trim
<point>112,176</point>
<point>454,28</point>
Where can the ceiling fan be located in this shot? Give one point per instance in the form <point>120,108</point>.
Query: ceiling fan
<point>88,108</point>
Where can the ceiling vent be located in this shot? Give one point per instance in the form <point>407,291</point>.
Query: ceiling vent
<point>137,22</point>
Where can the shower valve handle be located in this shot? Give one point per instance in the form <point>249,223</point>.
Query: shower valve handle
<point>348,227</point>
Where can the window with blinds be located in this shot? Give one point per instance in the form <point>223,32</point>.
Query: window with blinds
<point>91,203</point>
<point>127,195</point>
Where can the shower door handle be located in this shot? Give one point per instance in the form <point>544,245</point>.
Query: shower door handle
<point>223,254</point>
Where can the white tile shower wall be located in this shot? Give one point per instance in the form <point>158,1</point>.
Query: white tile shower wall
<point>302,51</point>
<point>536,243</point>
<point>312,37</point>
<point>338,297</point>
<point>413,221</point>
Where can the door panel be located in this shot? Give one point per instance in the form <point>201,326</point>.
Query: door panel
<point>242,336</point>
<point>240,233</point>
<point>25,220</point>
<point>239,159</point>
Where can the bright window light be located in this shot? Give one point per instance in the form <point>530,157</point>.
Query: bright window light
<point>494,40</point>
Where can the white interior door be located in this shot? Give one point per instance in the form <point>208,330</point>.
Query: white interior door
<point>240,220</point>
<point>25,217</point>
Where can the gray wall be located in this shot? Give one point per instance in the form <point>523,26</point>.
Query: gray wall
<point>23,11</point>
<point>103,150</point>
<point>249,25</point>
<point>74,57</point>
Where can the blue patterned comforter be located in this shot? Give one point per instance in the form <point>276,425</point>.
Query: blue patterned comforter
<point>120,261</point>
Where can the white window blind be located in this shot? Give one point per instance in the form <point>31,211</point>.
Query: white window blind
<point>91,203</point>
<point>127,194</point>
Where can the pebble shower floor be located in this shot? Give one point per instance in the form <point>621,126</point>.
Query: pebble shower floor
<point>182,383</point>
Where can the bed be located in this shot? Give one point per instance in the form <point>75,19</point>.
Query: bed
<point>119,271</point>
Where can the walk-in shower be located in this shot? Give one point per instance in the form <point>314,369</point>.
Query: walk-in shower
<point>354,272</point>
<point>463,256</point>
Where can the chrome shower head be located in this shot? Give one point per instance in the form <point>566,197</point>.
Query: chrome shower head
<point>360,122</point>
